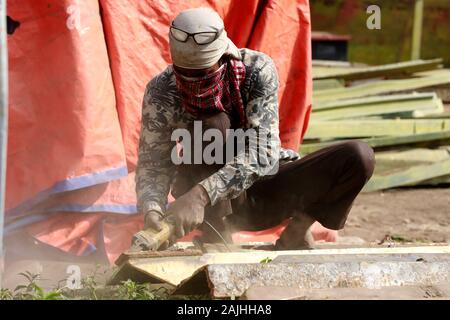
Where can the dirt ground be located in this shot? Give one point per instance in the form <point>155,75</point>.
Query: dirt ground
<point>409,215</point>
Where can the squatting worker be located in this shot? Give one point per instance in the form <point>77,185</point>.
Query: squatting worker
<point>213,81</point>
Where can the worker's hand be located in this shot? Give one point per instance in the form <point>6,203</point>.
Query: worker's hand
<point>152,220</point>
<point>188,210</point>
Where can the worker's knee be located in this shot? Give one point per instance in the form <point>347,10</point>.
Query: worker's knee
<point>362,157</point>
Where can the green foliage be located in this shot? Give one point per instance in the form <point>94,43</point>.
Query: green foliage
<point>90,284</point>
<point>130,290</point>
<point>91,290</point>
<point>6,294</point>
<point>31,290</point>
<point>266,260</point>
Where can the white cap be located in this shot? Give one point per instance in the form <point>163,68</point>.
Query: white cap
<point>189,54</point>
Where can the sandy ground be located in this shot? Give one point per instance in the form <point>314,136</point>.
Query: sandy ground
<point>416,215</point>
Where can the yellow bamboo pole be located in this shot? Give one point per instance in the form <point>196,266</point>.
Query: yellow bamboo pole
<point>417,30</point>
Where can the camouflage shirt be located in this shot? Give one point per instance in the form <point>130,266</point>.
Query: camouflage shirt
<point>162,113</point>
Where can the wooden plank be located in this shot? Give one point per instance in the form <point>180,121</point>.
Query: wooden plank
<point>331,64</point>
<point>411,175</point>
<point>373,100</point>
<point>434,137</point>
<point>435,181</point>
<point>124,257</point>
<point>339,129</point>
<point>408,109</point>
<point>327,84</point>
<point>395,69</point>
<point>419,154</point>
<point>381,87</point>
<point>391,162</point>
<point>409,105</point>
<point>443,92</point>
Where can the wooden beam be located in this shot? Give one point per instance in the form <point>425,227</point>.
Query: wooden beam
<point>434,182</point>
<point>381,87</point>
<point>327,84</point>
<point>395,69</point>
<point>423,105</point>
<point>389,163</point>
<point>340,129</point>
<point>331,64</point>
<point>414,155</point>
<point>434,137</point>
<point>328,105</point>
<point>408,176</point>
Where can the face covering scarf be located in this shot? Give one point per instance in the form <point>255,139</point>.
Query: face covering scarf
<point>218,91</point>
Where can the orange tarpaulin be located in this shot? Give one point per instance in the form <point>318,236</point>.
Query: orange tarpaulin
<point>64,133</point>
<point>78,70</point>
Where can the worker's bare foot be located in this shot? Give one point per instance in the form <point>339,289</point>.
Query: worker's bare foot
<point>301,243</point>
<point>297,235</point>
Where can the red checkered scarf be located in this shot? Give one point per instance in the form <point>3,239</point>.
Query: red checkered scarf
<point>217,91</point>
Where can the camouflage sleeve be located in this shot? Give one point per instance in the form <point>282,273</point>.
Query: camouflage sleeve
<point>155,169</point>
<point>261,155</point>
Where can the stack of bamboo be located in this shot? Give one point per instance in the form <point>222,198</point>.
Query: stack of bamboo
<point>398,109</point>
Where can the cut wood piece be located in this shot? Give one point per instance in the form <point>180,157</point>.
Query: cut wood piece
<point>339,129</point>
<point>408,176</point>
<point>382,87</point>
<point>413,105</point>
<point>437,138</point>
<point>388,70</point>
<point>327,84</point>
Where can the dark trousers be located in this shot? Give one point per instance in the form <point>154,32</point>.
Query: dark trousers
<point>321,185</point>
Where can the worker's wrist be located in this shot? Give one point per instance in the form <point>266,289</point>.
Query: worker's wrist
<point>201,195</point>
<point>153,211</point>
<point>149,206</point>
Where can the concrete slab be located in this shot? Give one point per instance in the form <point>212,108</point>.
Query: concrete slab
<point>232,280</point>
<point>434,292</point>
